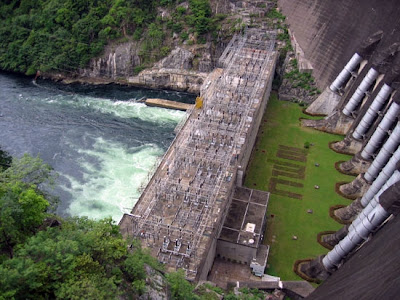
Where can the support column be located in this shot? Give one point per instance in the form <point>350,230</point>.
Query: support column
<point>322,266</point>
<point>349,212</point>
<point>372,111</point>
<point>355,237</point>
<point>345,74</point>
<point>381,130</point>
<point>384,154</point>
<point>360,92</point>
<point>372,203</point>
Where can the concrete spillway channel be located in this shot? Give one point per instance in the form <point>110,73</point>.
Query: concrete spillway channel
<point>180,214</point>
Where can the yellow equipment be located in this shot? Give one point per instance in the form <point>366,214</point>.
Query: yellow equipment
<point>199,102</point>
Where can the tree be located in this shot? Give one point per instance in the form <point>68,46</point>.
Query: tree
<point>201,10</point>
<point>81,259</point>
<point>23,206</point>
<point>22,211</point>
<point>28,169</point>
<point>5,160</point>
<point>180,288</point>
<point>63,35</point>
<point>34,173</point>
<point>156,35</point>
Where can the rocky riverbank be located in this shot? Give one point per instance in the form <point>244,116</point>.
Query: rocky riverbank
<point>181,70</point>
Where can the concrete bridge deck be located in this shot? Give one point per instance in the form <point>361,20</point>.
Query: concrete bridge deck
<point>180,214</point>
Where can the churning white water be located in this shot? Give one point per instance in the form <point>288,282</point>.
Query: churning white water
<point>102,140</point>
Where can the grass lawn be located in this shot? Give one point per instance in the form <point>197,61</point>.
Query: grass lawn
<point>286,216</point>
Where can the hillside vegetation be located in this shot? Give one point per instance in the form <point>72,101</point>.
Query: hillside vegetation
<point>63,35</point>
<point>43,256</point>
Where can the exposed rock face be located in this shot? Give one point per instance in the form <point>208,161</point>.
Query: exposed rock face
<point>291,88</point>
<point>178,59</point>
<point>288,92</point>
<point>354,189</point>
<point>356,165</point>
<point>185,68</point>
<point>176,72</point>
<point>117,61</point>
<point>181,70</point>
<point>347,146</point>
<point>169,79</point>
<point>350,212</point>
<point>156,286</point>
<point>324,104</point>
<point>336,123</point>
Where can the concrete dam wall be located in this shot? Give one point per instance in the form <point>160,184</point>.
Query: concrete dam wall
<point>354,48</point>
<point>330,32</point>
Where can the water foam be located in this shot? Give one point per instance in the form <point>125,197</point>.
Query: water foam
<point>103,147</point>
<point>122,109</point>
<point>111,186</point>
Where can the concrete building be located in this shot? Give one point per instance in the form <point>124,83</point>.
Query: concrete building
<point>242,234</point>
<point>181,213</point>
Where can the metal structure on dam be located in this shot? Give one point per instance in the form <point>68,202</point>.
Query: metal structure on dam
<point>180,214</point>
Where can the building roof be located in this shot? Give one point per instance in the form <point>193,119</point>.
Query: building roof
<point>246,217</point>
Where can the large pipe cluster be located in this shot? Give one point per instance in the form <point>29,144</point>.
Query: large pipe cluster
<point>386,202</point>
<point>373,111</point>
<point>350,212</point>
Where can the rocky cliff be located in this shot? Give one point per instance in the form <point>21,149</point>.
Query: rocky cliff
<point>183,69</point>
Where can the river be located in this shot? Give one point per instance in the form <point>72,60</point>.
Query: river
<point>102,140</point>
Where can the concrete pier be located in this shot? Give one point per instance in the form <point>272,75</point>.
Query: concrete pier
<point>180,214</point>
<point>168,104</point>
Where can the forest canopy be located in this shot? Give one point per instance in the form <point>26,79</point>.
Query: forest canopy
<point>63,35</point>
<point>43,256</point>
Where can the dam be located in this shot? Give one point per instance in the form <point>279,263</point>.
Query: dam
<point>182,211</point>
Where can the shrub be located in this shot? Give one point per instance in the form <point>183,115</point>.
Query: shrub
<point>216,289</point>
<point>139,286</point>
<point>184,36</point>
<point>138,33</point>
<point>201,40</point>
<point>181,10</point>
<point>166,2</point>
<point>165,51</point>
<point>180,288</point>
<point>220,17</point>
<point>274,14</point>
<point>138,69</point>
<point>177,27</point>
